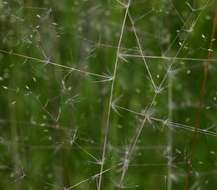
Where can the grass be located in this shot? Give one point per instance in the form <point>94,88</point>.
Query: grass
<point>107,94</point>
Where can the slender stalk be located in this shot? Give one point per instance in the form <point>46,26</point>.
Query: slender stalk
<point>170,133</point>
<point>111,95</point>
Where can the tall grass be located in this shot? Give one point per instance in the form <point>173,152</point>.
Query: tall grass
<point>107,94</point>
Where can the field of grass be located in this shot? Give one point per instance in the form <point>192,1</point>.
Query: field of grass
<point>108,94</point>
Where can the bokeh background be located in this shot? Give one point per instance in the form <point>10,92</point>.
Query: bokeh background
<point>57,67</point>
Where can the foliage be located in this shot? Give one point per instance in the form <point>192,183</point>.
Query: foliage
<point>108,94</point>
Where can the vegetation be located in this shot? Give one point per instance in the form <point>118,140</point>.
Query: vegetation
<point>108,94</point>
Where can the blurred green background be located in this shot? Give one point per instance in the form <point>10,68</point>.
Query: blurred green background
<point>57,69</point>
